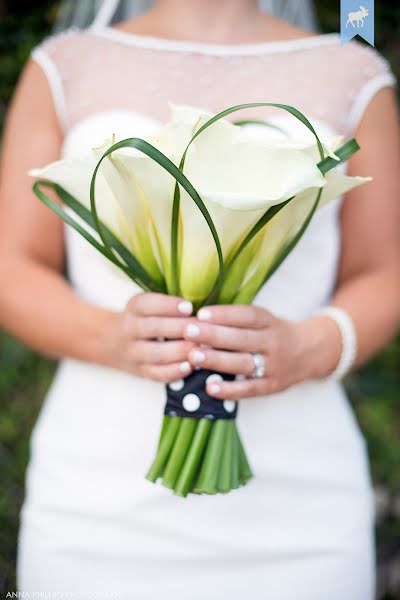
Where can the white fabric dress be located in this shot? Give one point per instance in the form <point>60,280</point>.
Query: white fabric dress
<point>91,525</point>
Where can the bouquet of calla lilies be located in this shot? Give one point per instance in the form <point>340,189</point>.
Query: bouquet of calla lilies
<point>206,211</point>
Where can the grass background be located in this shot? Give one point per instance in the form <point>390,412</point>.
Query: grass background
<point>24,376</point>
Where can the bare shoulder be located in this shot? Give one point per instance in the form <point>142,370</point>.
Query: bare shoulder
<point>31,130</point>
<point>32,103</point>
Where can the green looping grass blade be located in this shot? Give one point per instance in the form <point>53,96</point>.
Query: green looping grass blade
<point>248,298</point>
<point>132,267</point>
<point>67,219</point>
<point>294,241</point>
<point>263,220</point>
<point>290,109</point>
<point>175,241</point>
<point>177,174</point>
<point>344,153</point>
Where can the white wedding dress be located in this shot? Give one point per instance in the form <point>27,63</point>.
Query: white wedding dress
<point>91,524</point>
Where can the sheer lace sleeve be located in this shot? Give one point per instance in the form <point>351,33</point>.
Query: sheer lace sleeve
<point>370,73</point>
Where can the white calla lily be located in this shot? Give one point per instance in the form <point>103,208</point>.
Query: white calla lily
<point>125,215</point>
<point>238,180</point>
<point>238,175</point>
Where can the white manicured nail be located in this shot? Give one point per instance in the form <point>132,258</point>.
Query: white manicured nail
<point>198,356</point>
<point>192,330</point>
<point>204,314</point>
<point>185,307</point>
<point>184,367</point>
<point>215,389</point>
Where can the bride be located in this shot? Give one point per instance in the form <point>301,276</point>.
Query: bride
<point>91,523</point>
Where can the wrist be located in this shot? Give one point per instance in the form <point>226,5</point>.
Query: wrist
<point>100,325</point>
<point>322,346</point>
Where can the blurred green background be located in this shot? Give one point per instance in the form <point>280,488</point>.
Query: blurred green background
<point>24,376</point>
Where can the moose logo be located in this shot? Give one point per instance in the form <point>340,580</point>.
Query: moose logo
<point>358,16</point>
<point>357,19</point>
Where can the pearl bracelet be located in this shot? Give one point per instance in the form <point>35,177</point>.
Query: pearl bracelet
<point>349,340</point>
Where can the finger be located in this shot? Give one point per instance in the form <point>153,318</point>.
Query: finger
<point>150,303</point>
<point>162,353</point>
<point>225,338</point>
<point>236,390</point>
<point>236,315</point>
<point>237,363</point>
<point>156,327</point>
<point>166,373</point>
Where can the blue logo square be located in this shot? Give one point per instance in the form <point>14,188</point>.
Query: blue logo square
<point>357,18</point>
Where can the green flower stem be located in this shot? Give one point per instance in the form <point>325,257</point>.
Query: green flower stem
<point>245,472</point>
<point>235,459</point>
<point>179,452</point>
<point>224,475</point>
<point>193,458</point>
<point>208,477</point>
<point>164,428</point>
<point>164,450</point>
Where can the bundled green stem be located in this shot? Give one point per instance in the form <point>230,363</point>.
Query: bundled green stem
<point>200,456</point>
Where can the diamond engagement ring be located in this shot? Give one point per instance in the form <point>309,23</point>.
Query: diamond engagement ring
<point>259,366</point>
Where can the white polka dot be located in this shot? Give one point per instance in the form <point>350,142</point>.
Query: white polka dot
<point>214,377</point>
<point>176,385</point>
<point>209,416</point>
<point>191,402</point>
<point>229,405</point>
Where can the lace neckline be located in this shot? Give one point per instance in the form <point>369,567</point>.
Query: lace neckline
<point>253,49</point>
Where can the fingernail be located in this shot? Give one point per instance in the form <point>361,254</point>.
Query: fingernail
<point>184,367</point>
<point>215,389</point>
<point>198,356</point>
<point>192,330</point>
<point>185,307</point>
<point>213,377</point>
<point>204,314</point>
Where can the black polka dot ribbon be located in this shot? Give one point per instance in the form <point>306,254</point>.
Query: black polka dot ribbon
<point>188,397</point>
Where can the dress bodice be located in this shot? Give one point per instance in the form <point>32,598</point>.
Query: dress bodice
<point>105,81</point>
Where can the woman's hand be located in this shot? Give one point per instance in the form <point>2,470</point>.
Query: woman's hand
<point>226,337</point>
<point>137,333</point>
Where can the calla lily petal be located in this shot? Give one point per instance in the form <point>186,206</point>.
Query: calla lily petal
<point>74,175</point>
